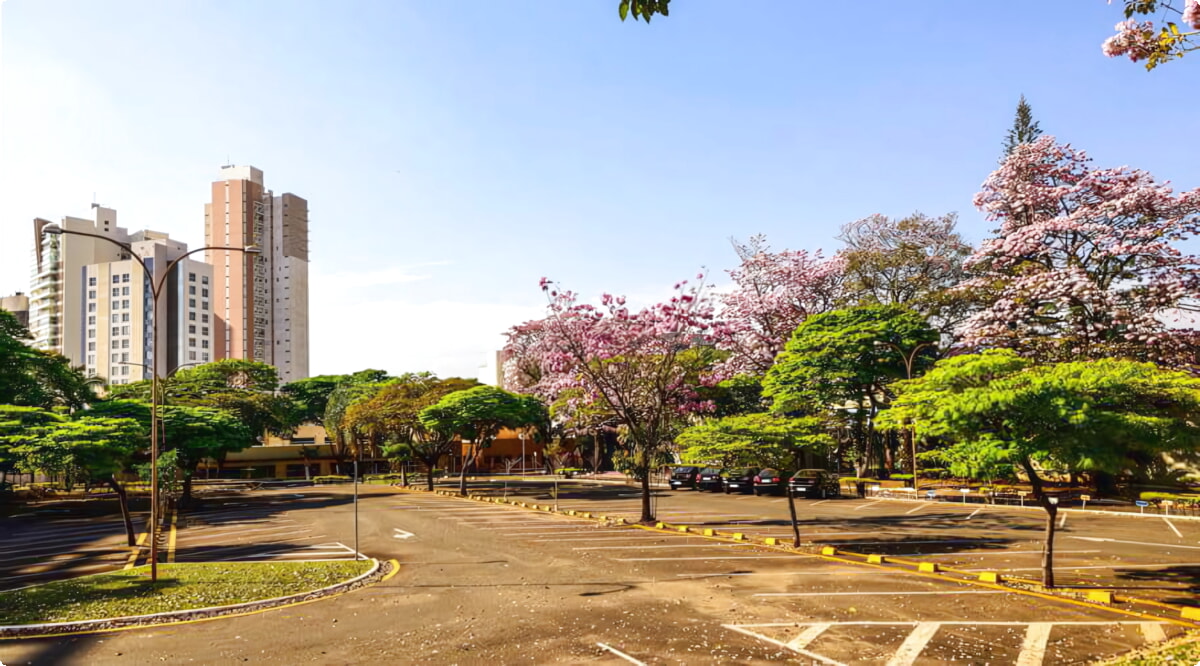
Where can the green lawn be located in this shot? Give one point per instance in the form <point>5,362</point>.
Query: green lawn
<point>179,587</point>
<point>1180,652</point>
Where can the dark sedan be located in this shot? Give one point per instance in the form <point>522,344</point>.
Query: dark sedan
<point>740,480</point>
<point>684,477</point>
<point>815,483</point>
<point>710,479</point>
<point>770,482</point>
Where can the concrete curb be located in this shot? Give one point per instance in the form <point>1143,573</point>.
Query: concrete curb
<point>1016,507</point>
<point>1098,599</point>
<point>17,631</point>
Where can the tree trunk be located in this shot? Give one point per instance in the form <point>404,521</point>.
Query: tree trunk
<point>792,509</point>
<point>123,501</point>
<point>468,460</point>
<point>1051,513</point>
<point>647,513</point>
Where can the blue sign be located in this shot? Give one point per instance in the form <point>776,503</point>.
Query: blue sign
<point>1142,503</point>
<point>931,494</point>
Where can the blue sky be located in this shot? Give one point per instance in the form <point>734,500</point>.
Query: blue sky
<point>454,152</point>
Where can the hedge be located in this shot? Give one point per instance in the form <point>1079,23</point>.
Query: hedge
<point>330,478</point>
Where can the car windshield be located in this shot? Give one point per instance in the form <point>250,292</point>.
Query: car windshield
<point>684,470</point>
<point>711,470</point>
<point>768,472</point>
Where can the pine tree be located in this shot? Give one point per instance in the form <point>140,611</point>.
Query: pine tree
<point>1024,130</point>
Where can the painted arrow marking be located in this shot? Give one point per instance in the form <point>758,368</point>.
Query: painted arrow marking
<point>401,534</point>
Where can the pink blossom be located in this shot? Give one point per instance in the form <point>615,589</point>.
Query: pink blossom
<point>1191,13</point>
<point>1137,40</point>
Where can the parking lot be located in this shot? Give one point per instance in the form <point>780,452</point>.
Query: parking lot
<point>64,539</point>
<point>1153,557</point>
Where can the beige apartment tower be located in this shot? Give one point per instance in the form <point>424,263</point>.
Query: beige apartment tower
<point>261,300</point>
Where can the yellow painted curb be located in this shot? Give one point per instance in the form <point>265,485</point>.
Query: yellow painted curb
<point>1190,613</point>
<point>171,538</point>
<point>928,567</point>
<point>771,541</point>
<point>136,550</point>
<point>661,526</point>
<point>1100,596</point>
<point>876,559</point>
<point>738,536</point>
<point>990,577</point>
<point>683,528</point>
<point>395,570</point>
<point>829,550</point>
<point>708,531</point>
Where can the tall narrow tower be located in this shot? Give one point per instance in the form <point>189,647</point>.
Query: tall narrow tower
<point>261,301</point>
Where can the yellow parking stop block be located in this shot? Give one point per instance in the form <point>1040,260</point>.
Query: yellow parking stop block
<point>771,541</point>
<point>708,531</point>
<point>989,577</point>
<point>738,536</point>
<point>928,567</point>
<point>829,550</point>
<point>1190,613</point>
<point>1100,596</point>
<point>684,528</point>
<point>876,559</point>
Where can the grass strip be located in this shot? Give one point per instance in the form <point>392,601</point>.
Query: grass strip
<point>180,586</point>
<point>1180,651</point>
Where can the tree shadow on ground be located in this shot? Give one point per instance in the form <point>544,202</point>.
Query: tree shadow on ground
<point>63,650</point>
<point>1183,580</point>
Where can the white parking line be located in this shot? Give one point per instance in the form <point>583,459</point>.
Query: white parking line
<point>863,506</point>
<point>905,543</point>
<point>1033,647</point>
<point>916,508</point>
<point>914,644</point>
<point>621,654</point>
<point>1107,566</point>
<point>1136,543</point>
<point>847,572</point>
<point>547,528</point>
<point>894,593</point>
<point>1062,522</point>
<point>721,557</point>
<point>620,538</point>
<point>973,553</point>
<point>1172,526</point>
<point>972,514</point>
<point>670,545</point>
<point>543,533</point>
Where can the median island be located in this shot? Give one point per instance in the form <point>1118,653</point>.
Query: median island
<point>184,590</point>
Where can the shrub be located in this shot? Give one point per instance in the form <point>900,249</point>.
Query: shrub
<point>1158,497</point>
<point>331,478</point>
<point>901,477</point>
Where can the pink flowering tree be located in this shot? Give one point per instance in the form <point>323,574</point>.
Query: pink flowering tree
<point>1155,42</point>
<point>773,293</point>
<point>641,367</point>
<point>1085,263</point>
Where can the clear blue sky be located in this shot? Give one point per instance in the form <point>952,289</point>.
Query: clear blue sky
<point>454,152</point>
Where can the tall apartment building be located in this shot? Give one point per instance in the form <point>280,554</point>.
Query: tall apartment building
<point>93,303</point>
<point>18,305</point>
<point>261,300</point>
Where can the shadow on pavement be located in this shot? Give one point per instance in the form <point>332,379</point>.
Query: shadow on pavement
<point>1184,580</point>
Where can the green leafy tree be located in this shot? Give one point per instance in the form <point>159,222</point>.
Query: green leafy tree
<point>478,415</point>
<point>996,407</point>
<point>765,440</point>
<point>37,378</point>
<point>310,396</point>
<point>1024,130</point>
<point>84,449</point>
<point>642,9</point>
<point>843,363</point>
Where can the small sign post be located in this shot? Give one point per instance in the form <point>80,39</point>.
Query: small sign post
<point>1167,504</point>
<point>964,491</point>
<point>1022,494</point>
<point>1141,505</point>
<point>1085,499</point>
<point>930,495</point>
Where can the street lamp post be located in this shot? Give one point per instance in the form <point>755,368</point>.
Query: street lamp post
<point>155,291</point>
<point>521,435</point>
<point>909,359</point>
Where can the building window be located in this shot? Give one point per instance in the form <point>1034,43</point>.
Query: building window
<point>116,331</point>
<point>204,305</point>
<point>124,305</point>
<point>204,344</point>
<point>192,290</point>
<point>204,293</point>
<point>124,316</point>
<point>116,318</point>
<point>125,277</point>
<point>116,358</point>
<point>191,302</point>
<point>204,357</point>
<point>91,359</point>
<point>203,318</point>
<point>124,357</point>
<point>92,320</point>
<point>116,291</point>
<point>91,307</point>
<point>191,356</point>
<point>191,316</point>
<point>124,291</point>
<point>124,330</point>
<point>116,279</point>
<point>91,347</point>
<point>124,370</point>
<point>191,277</point>
<point>124,344</point>
<point>191,342</point>
<point>204,331</point>
<point>91,332</point>
<point>192,329</point>
<point>91,281</point>
<point>204,279</point>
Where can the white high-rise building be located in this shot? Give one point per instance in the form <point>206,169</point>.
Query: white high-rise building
<point>94,300</point>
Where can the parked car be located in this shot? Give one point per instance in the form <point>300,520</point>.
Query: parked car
<point>684,477</point>
<point>815,483</point>
<point>740,480</point>
<point>710,479</point>
<point>770,482</point>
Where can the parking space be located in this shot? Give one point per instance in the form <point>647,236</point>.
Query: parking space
<point>37,548</point>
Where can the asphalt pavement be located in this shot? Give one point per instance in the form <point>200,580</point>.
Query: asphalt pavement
<point>482,582</point>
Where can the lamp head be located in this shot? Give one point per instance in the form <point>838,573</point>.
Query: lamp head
<point>252,249</point>
<point>53,229</point>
